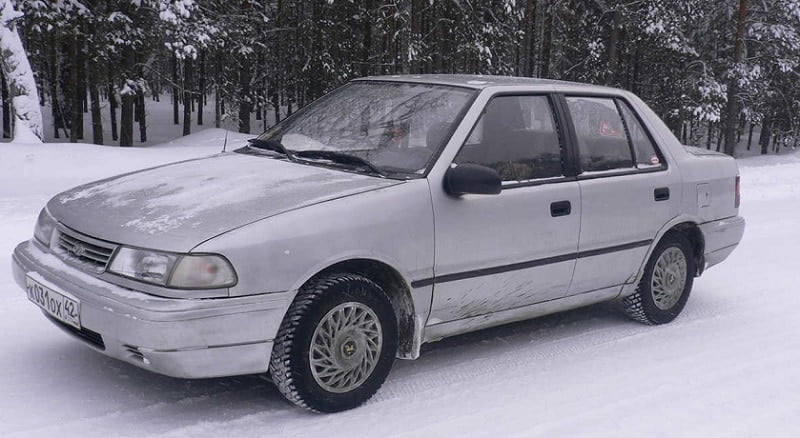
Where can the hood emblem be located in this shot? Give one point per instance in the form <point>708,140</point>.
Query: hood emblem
<point>78,250</point>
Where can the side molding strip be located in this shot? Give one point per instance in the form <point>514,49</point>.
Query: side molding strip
<point>525,265</point>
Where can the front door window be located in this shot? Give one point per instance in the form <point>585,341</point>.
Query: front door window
<point>516,136</point>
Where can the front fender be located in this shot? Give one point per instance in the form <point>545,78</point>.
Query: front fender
<point>393,225</point>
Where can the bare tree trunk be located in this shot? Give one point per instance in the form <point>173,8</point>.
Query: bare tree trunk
<point>750,136</point>
<point>740,130</point>
<point>97,119</point>
<point>126,120</point>
<point>201,92</point>
<point>389,49</point>
<point>83,87</point>
<point>276,103</point>
<point>217,109</point>
<point>245,103</point>
<point>417,7</point>
<point>547,39</point>
<point>775,142</point>
<point>141,116</point>
<point>636,71</point>
<point>112,107</point>
<point>7,108</point>
<point>613,43</point>
<point>763,138</point>
<point>55,102</point>
<point>684,131</point>
<point>175,91</point>
<point>440,41</point>
<point>127,96</point>
<point>732,113</point>
<point>366,48</point>
<point>187,96</point>
<point>76,102</point>
<point>528,41</point>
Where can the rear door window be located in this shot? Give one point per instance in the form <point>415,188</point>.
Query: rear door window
<point>602,142</point>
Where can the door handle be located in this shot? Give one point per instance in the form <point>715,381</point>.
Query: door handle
<point>560,208</point>
<point>661,194</point>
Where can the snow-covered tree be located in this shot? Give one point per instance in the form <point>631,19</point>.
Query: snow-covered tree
<point>21,81</point>
<point>703,68</point>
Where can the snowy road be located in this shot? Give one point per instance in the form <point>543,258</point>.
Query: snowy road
<point>729,366</point>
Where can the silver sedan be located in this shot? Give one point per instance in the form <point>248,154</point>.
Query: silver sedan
<point>392,212</point>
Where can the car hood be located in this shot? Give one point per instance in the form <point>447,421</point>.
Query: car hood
<point>177,206</point>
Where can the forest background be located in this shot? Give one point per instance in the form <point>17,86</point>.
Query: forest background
<point>718,72</point>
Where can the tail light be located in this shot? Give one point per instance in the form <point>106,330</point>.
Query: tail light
<point>738,192</point>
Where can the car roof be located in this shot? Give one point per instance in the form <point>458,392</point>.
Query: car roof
<point>478,81</point>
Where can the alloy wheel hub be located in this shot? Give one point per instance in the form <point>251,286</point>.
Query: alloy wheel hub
<point>345,347</point>
<point>669,278</point>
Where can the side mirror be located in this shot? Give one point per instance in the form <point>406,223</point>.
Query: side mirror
<point>472,178</point>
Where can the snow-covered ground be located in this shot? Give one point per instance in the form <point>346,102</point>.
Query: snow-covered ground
<point>728,366</point>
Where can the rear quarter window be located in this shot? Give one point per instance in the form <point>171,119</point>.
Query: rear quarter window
<point>646,155</point>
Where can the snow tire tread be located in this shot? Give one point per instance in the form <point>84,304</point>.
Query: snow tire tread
<point>289,337</point>
<point>636,307</point>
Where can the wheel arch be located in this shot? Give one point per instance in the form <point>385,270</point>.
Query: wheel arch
<point>695,236</point>
<point>685,225</point>
<point>399,292</point>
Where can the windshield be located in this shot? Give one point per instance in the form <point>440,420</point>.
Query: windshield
<point>392,129</point>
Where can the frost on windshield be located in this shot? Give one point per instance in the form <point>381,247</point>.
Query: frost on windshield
<point>395,126</point>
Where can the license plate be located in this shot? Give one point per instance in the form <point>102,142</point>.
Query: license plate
<point>61,307</point>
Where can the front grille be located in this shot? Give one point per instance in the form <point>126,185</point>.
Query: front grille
<point>92,338</point>
<point>79,247</point>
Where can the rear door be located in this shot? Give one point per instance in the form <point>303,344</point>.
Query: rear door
<point>497,252</point>
<point>628,191</point>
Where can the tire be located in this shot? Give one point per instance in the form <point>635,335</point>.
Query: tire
<point>353,328</point>
<point>659,298</point>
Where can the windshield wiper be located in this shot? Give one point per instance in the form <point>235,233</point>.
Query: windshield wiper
<point>342,158</point>
<point>271,145</point>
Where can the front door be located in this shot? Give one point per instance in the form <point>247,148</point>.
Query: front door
<point>499,252</point>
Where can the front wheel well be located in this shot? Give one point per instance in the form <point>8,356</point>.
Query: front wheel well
<point>395,287</point>
<point>692,232</point>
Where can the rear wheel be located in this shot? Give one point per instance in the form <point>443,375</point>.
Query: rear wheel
<point>336,343</point>
<point>666,283</point>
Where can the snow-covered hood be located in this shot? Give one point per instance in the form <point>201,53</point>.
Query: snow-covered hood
<point>177,206</point>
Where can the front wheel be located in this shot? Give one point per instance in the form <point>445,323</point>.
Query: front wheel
<point>336,343</point>
<point>666,282</point>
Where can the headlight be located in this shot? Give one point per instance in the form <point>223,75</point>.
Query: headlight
<point>206,271</point>
<point>144,265</point>
<point>45,225</point>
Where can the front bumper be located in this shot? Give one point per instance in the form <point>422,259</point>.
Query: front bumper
<point>189,338</point>
<point>721,238</point>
